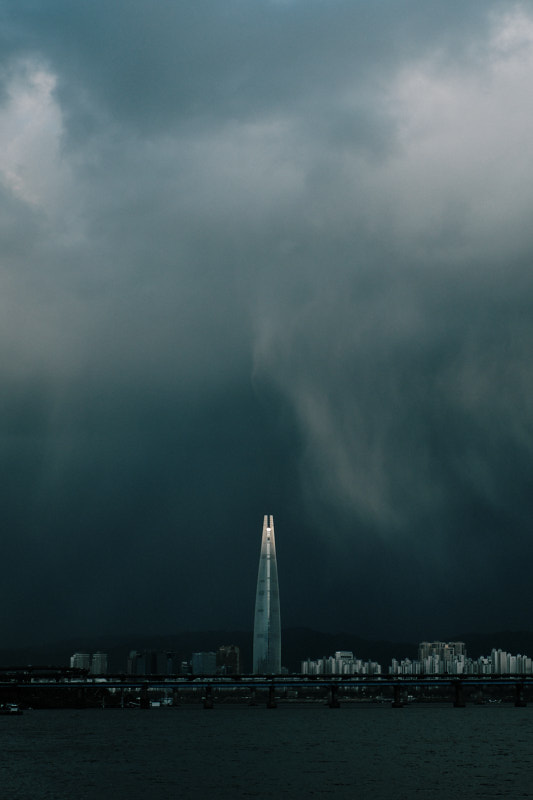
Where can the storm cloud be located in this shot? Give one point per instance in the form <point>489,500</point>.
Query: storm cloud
<point>268,257</point>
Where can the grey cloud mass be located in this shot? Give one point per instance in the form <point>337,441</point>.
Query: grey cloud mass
<point>268,257</point>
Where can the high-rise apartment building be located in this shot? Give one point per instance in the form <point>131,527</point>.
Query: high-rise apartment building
<point>267,623</point>
<point>229,660</point>
<point>204,663</point>
<point>151,662</point>
<point>95,664</point>
<point>81,661</point>
<point>446,651</point>
<point>99,664</point>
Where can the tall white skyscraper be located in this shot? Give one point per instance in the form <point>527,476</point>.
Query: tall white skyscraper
<point>267,624</point>
<point>81,661</point>
<point>99,664</point>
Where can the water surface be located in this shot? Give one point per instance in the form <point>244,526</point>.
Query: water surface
<point>296,751</point>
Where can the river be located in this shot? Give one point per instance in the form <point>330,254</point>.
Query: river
<point>293,751</point>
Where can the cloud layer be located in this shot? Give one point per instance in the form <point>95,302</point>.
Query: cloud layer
<point>266,258</point>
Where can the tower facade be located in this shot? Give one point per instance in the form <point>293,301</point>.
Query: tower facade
<point>267,624</point>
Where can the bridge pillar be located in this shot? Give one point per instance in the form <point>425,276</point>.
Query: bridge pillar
<point>175,697</point>
<point>333,700</point>
<point>519,699</point>
<point>145,700</point>
<point>397,699</point>
<point>253,699</point>
<point>81,698</point>
<point>458,694</point>
<point>271,702</point>
<point>208,698</point>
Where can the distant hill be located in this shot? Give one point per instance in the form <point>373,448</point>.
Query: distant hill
<point>301,643</point>
<point>481,644</point>
<point>297,645</point>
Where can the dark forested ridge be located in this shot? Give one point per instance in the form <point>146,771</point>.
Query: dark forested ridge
<point>297,645</point>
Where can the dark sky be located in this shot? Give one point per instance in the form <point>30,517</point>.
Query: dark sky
<point>269,257</point>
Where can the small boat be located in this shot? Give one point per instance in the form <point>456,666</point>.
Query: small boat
<point>10,709</point>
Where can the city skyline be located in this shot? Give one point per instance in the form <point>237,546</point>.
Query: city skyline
<point>434,658</point>
<point>173,654</point>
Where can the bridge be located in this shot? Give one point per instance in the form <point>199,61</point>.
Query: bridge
<point>25,683</point>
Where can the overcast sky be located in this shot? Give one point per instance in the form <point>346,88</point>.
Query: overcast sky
<point>269,257</point>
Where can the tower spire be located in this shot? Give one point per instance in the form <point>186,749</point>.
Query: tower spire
<point>267,623</point>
